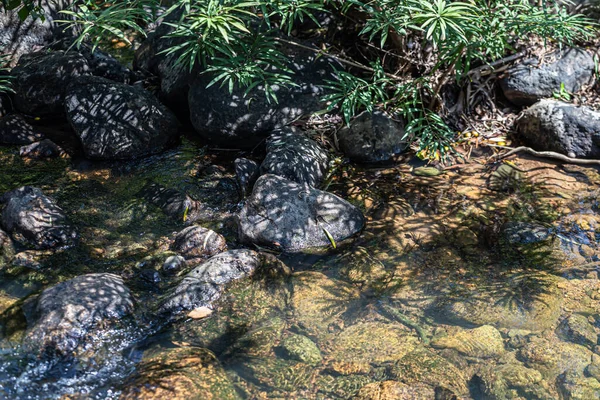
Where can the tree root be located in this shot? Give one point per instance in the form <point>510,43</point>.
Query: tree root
<point>545,154</point>
<point>404,320</point>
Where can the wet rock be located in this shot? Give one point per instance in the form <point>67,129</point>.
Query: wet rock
<point>372,137</point>
<point>524,232</point>
<point>205,284</point>
<point>293,156</point>
<point>593,371</point>
<point>246,173</point>
<point>553,357</point>
<point>507,381</point>
<point>301,348</point>
<point>232,119</point>
<point>41,150</point>
<point>196,241</point>
<point>15,130</point>
<point>173,264</point>
<point>284,378</point>
<point>505,178</point>
<point>574,386</point>
<point>66,314</point>
<point>179,373</point>
<point>529,82</point>
<point>34,219</point>
<point>394,390</point>
<point>41,81</point>
<point>173,203</point>
<point>482,342</point>
<point>31,259</point>
<point>150,276</point>
<point>7,250</point>
<point>576,328</point>
<point>118,122</point>
<point>551,125</point>
<point>295,218</point>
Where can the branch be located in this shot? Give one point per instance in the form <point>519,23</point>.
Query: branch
<point>545,154</point>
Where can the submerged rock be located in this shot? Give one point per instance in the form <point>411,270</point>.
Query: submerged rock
<point>34,219</point>
<point>196,241</point>
<point>175,204</point>
<point>551,125</point>
<point>507,380</point>
<point>529,82</point>
<point>574,386</point>
<point>293,156</point>
<point>372,137</point>
<point>294,217</point>
<point>246,173</point>
<point>301,348</point>
<point>394,390</point>
<point>505,178</point>
<point>41,81</point>
<point>15,130</point>
<point>515,232</point>
<point>552,357</point>
<point>173,264</point>
<point>66,314</point>
<point>482,342</point>
<point>205,284</point>
<point>115,121</point>
<point>576,328</point>
<point>41,150</point>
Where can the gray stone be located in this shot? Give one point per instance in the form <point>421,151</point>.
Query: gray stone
<point>551,125</point>
<point>15,130</point>
<point>172,202</point>
<point>41,150</point>
<point>524,232</point>
<point>173,264</point>
<point>41,81</point>
<point>71,311</point>
<point>196,241</point>
<point>34,219</point>
<point>246,173</point>
<point>7,250</point>
<point>576,328</point>
<point>205,284</point>
<point>529,82</point>
<point>295,217</point>
<point>115,121</point>
<point>372,137</point>
<point>295,157</point>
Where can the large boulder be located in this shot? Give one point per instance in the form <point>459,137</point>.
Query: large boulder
<point>294,156</point>
<point>564,128</point>
<point>41,80</point>
<point>33,219</point>
<point>372,137</point>
<point>115,121</point>
<point>15,130</point>
<point>205,284</point>
<point>67,314</point>
<point>235,120</point>
<point>295,217</point>
<point>529,81</point>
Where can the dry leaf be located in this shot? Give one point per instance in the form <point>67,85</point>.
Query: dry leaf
<point>200,312</point>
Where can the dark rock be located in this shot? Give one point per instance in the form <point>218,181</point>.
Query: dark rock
<point>30,259</point>
<point>34,219</point>
<point>175,204</point>
<point>576,329</point>
<point>246,173</point>
<point>196,241</point>
<point>15,130</point>
<point>205,284</point>
<point>525,233</point>
<point>173,264</point>
<point>505,178</point>
<point>6,104</point>
<point>40,150</point>
<point>295,157</point>
<point>150,276</point>
<point>7,250</point>
<point>529,82</point>
<point>68,313</point>
<point>41,81</point>
<point>116,121</point>
<point>294,217</point>
<point>551,125</point>
<point>235,120</point>
<point>372,137</point>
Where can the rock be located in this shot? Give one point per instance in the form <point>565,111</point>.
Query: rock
<point>427,171</point>
<point>34,219</point>
<point>15,130</point>
<point>552,357</point>
<point>246,173</point>
<point>173,203</point>
<point>505,178</point>
<point>41,150</point>
<point>524,232</point>
<point>182,373</point>
<point>173,264</point>
<point>235,120</point>
<point>295,218</point>
<point>205,284</point>
<point>564,128</point>
<point>528,82</point>
<point>301,348</point>
<point>115,121</point>
<point>574,386</point>
<point>593,371</point>
<point>482,342</point>
<point>393,390</point>
<point>576,328</point>
<point>506,381</point>
<point>41,80</point>
<point>196,241</point>
<point>372,137</point>
<point>7,250</point>
<point>69,313</point>
<point>295,157</point>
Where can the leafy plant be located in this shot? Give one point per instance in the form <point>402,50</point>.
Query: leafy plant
<point>5,78</point>
<point>562,94</point>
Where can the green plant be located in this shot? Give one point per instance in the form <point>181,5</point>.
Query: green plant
<point>5,78</point>
<point>562,94</point>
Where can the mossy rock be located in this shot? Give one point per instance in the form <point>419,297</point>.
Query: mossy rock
<point>552,357</point>
<point>505,178</point>
<point>341,386</point>
<point>574,386</point>
<point>361,345</point>
<point>482,342</point>
<point>180,373</point>
<point>283,377</point>
<point>513,379</point>
<point>301,348</point>
<point>394,390</point>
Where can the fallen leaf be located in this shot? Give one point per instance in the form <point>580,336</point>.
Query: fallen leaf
<point>200,312</point>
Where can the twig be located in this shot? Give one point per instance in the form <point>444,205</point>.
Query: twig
<point>544,154</point>
<point>484,68</point>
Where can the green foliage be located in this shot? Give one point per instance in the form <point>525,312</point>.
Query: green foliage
<point>5,78</point>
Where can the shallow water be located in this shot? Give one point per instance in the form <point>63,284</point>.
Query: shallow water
<point>432,299</point>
